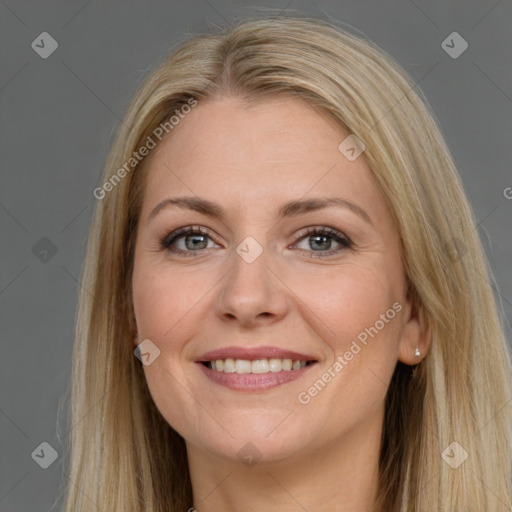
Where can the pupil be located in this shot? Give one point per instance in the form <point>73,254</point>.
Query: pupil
<point>195,242</point>
<point>326,244</point>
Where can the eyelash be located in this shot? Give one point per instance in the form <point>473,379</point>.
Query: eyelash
<point>344,241</point>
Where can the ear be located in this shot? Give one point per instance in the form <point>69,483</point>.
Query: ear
<point>415,334</point>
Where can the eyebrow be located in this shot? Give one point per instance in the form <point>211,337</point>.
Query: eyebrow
<point>290,209</point>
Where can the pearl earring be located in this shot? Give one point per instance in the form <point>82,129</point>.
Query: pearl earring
<point>417,352</point>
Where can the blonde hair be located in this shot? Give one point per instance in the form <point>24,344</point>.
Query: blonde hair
<point>123,454</point>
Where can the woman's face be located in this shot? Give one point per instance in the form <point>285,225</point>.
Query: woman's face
<point>271,272</point>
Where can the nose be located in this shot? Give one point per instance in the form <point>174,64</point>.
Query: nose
<point>251,293</point>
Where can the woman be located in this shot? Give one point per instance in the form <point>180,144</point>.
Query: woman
<point>286,303</point>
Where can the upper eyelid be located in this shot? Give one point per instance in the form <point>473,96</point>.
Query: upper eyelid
<point>302,233</point>
<point>187,230</point>
<point>322,228</point>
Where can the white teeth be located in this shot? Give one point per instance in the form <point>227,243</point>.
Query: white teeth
<point>242,366</point>
<point>260,366</point>
<point>287,364</point>
<point>229,366</point>
<point>275,365</point>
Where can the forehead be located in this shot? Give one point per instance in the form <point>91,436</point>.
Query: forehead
<point>273,151</point>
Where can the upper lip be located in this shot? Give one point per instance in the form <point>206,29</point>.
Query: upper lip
<point>252,353</point>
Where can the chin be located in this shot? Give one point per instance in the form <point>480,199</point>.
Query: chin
<point>275,437</point>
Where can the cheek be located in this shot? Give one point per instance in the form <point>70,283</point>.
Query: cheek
<point>165,300</point>
<point>346,300</point>
<point>356,313</point>
<point>166,304</point>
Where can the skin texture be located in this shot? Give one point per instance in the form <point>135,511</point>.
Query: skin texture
<point>250,161</point>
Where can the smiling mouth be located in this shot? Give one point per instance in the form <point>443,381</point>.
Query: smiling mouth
<point>256,366</point>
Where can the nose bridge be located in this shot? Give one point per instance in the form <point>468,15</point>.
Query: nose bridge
<point>250,288</point>
<point>249,276</point>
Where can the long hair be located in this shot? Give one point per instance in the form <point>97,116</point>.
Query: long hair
<point>123,456</point>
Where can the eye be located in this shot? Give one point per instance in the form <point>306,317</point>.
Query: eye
<point>319,239</point>
<point>187,241</point>
<point>190,240</point>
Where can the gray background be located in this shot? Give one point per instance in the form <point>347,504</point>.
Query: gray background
<point>57,119</point>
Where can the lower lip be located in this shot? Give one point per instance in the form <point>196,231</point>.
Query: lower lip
<point>253,381</point>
